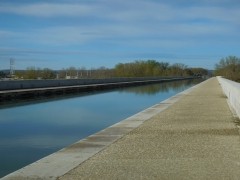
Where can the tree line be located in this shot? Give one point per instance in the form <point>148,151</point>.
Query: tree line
<point>151,68</point>
<point>139,68</point>
<point>66,73</point>
<point>229,68</point>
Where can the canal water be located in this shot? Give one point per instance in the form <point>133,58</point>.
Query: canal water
<point>32,130</point>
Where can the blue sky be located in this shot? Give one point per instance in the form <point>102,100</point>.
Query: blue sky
<point>94,33</point>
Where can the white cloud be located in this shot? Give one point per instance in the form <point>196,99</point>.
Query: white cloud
<point>159,11</point>
<point>125,11</point>
<point>123,33</point>
<point>136,23</point>
<point>67,35</point>
<point>48,9</point>
<point>7,34</point>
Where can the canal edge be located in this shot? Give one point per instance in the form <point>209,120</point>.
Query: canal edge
<point>68,158</point>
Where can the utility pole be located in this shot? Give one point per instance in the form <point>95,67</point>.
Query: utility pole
<point>12,67</point>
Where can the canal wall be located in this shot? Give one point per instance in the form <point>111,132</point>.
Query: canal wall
<point>30,84</point>
<point>43,88</point>
<point>232,90</point>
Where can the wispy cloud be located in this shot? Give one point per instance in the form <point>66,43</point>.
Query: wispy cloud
<point>66,35</point>
<point>140,10</point>
<point>48,9</point>
<point>130,34</point>
<point>137,25</point>
<point>7,34</point>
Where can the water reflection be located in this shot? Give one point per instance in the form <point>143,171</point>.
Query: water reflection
<point>44,99</point>
<point>150,89</point>
<point>32,130</point>
<point>161,87</point>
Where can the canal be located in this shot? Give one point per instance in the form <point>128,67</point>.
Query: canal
<point>34,129</point>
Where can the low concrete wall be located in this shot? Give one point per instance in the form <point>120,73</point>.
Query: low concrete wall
<point>232,91</point>
<point>29,84</point>
<point>18,90</point>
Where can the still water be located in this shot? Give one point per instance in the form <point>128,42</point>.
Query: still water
<point>32,130</point>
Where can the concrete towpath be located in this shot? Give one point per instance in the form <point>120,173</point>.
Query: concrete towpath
<point>195,138</point>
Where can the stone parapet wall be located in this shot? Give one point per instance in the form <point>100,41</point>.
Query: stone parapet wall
<point>232,91</point>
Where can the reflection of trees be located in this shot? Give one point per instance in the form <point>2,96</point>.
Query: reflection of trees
<point>161,87</point>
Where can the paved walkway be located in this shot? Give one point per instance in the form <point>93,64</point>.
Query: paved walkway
<point>195,138</point>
